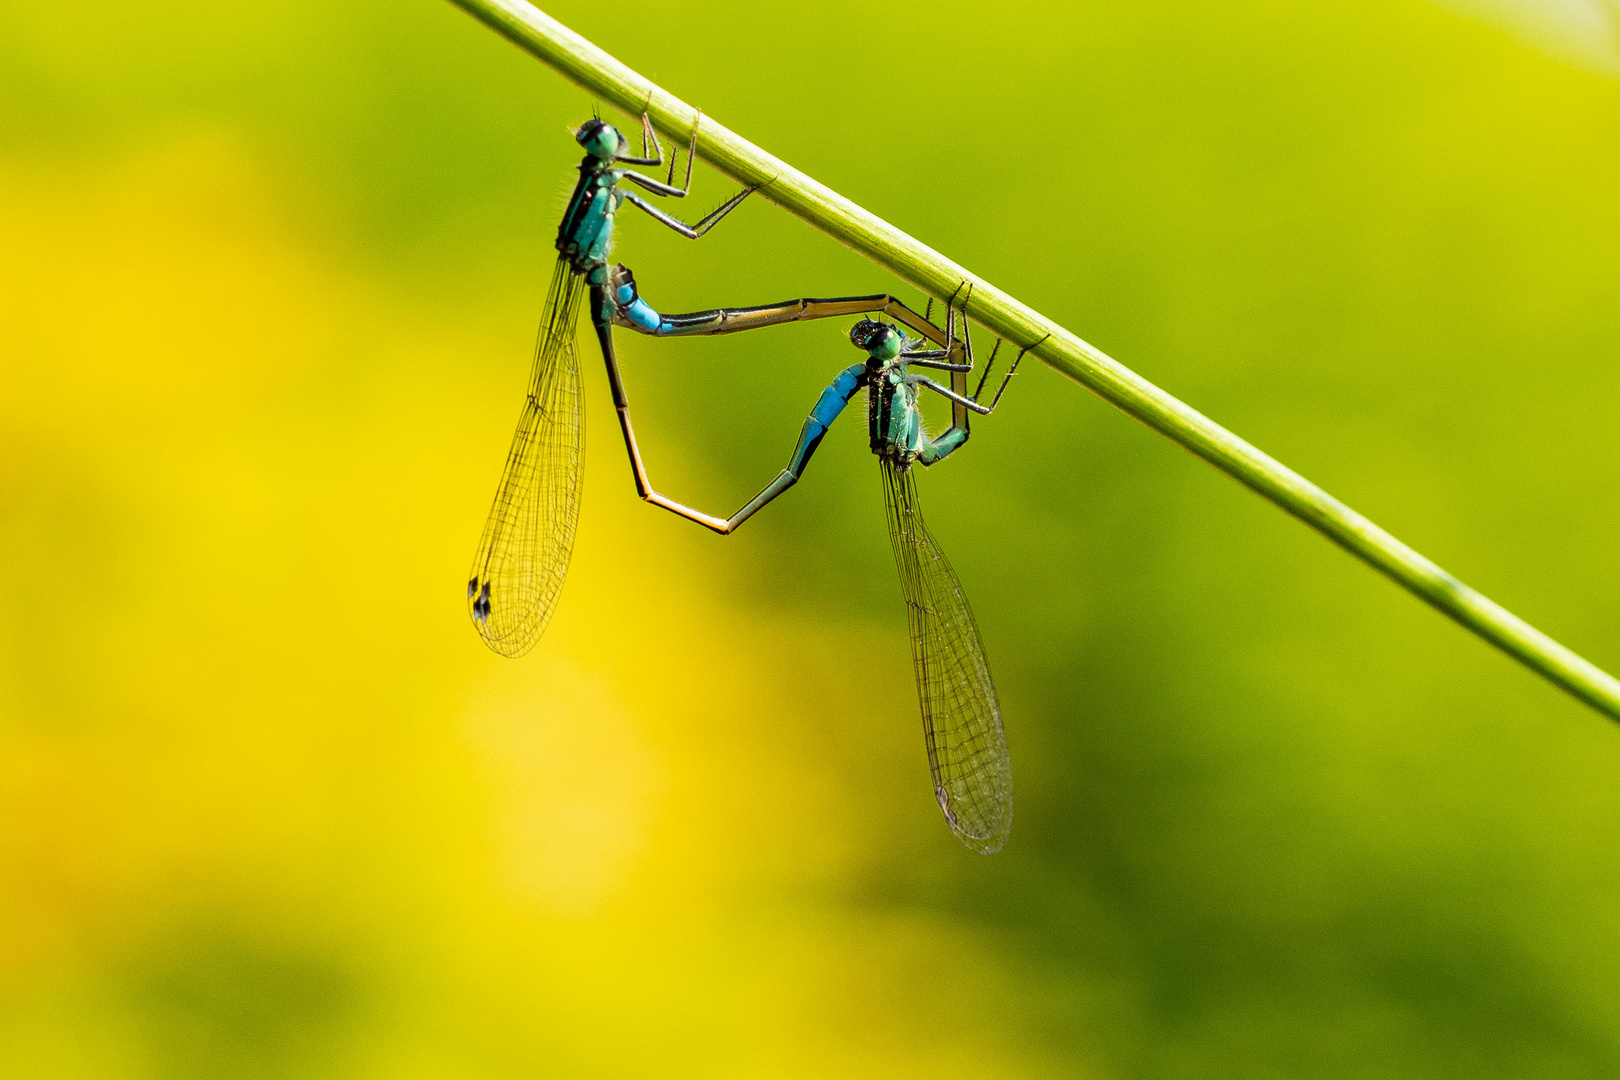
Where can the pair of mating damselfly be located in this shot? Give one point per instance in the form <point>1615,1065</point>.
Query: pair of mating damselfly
<point>524,551</point>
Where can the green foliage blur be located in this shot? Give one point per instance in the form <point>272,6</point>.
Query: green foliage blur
<point>269,275</point>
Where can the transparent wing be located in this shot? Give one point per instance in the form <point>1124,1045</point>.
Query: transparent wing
<point>529,537</point>
<point>967,748</point>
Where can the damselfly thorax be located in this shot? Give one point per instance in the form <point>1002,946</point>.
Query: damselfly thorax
<point>585,235</point>
<point>894,418</point>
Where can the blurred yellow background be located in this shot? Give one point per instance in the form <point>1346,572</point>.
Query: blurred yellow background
<point>268,808</point>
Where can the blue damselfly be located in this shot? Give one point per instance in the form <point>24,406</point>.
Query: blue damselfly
<point>962,727</point>
<point>528,538</point>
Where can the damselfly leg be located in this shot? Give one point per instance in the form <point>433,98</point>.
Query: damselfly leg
<point>991,363</point>
<point>668,189</point>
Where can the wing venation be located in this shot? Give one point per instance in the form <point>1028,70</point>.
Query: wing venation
<point>528,539</point>
<point>967,746</point>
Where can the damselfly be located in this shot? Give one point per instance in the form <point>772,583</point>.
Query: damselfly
<point>528,539</point>
<point>962,728</point>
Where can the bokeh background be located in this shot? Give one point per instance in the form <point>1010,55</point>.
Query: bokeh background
<point>269,276</point>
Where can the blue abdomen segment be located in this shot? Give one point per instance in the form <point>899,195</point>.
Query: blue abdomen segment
<point>635,311</point>
<point>632,311</point>
<point>640,313</point>
<point>828,406</point>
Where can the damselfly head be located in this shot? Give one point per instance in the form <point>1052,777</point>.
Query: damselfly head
<point>879,339</point>
<point>600,139</point>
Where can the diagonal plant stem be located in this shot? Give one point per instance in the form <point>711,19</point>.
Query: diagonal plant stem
<point>928,270</point>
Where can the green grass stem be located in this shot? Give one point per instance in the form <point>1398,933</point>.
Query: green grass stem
<point>926,269</point>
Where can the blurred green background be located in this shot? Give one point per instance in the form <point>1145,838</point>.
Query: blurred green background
<point>268,282</point>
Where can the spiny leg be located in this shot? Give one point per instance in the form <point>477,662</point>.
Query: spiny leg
<point>650,137</point>
<point>648,140</point>
<point>1002,389</point>
<point>959,431</point>
<point>974,403</point>
<point>950,395</point>
<point>948,442</point>
<point>691,156</point>
<point>967,329</point>
<point>667,187</point>
<point>960,399</point>
<point>927,360</point>
<point>985,374</point>
<point>950,312</point>
<point>939,359</point>
<point>691,232</point>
